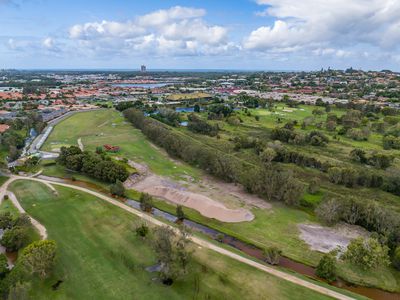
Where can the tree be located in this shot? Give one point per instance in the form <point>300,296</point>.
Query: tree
<point>358,155</point>
<point>5,220</point>
<point>327,267</point>
<point>272,255</point>
<point>196,108</point>
<point>330,125</point>
<point>329,211</point>
<point>146,202</point>
<point>117,189</point>
<point>3,266</point>
<point>179,213</point>
<point>15,238</point>
<point>313,186</point>
<point>268,155</point>
<point>39,257</point>
<point>22,220</point>
<point>380,160</point>
<point>20,291</point>
<point>172,253</point>
<point>396,258</point>
<point>367,253</point>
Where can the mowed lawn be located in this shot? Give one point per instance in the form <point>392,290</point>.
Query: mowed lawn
<point>100,257</point>
<point>107,126</point>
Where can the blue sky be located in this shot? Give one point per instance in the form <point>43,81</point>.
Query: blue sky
<point>239,34</point>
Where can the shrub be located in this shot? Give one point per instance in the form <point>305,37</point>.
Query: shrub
<point>179,213</point>
<point>5,220</point>
<point>3,266</point>
<point>367,253</point>
<point>39,258</point>
<point>327,267</point>
<point>396,258</point>
<point>142,230</point>
<point>15,238</point>
<point>272,255</point>
<point>117,189</point>
<point>146,202</point>
<point>329,211</point>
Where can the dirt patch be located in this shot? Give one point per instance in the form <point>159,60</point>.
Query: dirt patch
<point>80,144</point>
<point>326,239</point>
<point>229,193</point>
<point>171,191</point>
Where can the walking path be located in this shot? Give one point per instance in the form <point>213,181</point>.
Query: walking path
<point>196,240</point>
<point>42,230</point>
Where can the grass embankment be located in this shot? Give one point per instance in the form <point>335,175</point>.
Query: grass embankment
<point>100,257</point>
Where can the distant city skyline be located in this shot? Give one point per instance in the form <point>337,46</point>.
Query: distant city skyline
<point>187,35</point>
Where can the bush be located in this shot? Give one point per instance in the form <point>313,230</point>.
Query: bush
<point>142,230</point>
<point>396,258</point>
<point>22,220</point>
<point>3,266</point>
<point>327,267</point>
<point>5,220</point>
<point>329,211</point>
<point>39,258</point>
<point>15,238</point>
<point>180,213</point>
<point>272,255</point>
<point>367,253</point>
<point>117,189</point>
<point>146,202</point>
<point>92,164</point>
<point>313,186</point>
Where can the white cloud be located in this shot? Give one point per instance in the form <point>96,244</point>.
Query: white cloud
<point>174,31</point>
<point>165,16</point>
<point>324,23</point>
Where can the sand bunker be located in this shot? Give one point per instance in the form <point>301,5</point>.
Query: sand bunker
<point>326,239</point>
<point>158,186</point>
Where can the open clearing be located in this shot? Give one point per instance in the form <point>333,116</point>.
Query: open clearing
<point>100,257</point>
<point>326,239</point>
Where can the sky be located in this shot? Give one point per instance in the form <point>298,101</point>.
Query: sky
<point>200,34</point>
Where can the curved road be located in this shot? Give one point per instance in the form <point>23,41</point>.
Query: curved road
<point>199,241</point>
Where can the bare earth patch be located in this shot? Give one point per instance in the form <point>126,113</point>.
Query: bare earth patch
<point>326,239</point>
<point>197,195</point>
<point>161,187</point>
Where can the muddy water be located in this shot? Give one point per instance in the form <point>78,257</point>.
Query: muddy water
<point>251,250</point>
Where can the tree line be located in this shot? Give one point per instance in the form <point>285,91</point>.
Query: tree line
<point>99,166</point>
<point>269,182</point>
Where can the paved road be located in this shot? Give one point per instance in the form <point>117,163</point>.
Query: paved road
<point>199,241</point>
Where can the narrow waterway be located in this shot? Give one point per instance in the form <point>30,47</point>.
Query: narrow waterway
<point>250,250</point>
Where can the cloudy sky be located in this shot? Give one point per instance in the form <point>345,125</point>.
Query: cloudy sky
<point>200,34</point>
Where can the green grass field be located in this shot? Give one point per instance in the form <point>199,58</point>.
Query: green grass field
<point>100,257</point>
<point>107,126</point>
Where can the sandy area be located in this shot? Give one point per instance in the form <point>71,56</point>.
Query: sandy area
<point>161,187</point>
<point>326,239</point>
<point>200,196</point>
